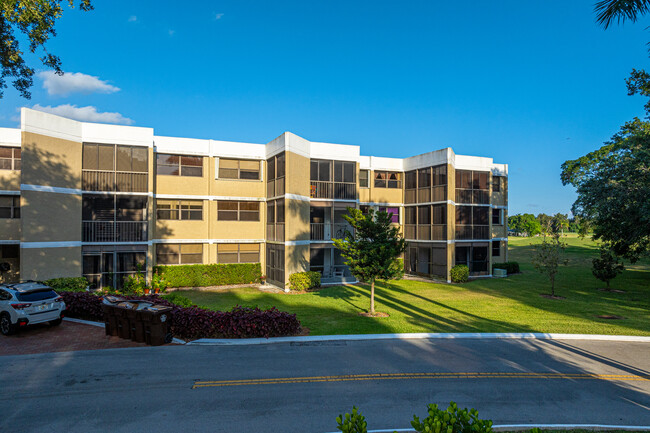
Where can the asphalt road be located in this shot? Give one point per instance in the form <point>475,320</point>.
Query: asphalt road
<point>302,388</point>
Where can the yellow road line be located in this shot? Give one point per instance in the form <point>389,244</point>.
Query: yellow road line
<point>407,376</point>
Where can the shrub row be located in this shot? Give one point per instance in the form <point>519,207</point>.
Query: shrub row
<point>210,275</point>
<point>452,420</point>
<point>76,284</point>
<point>510,267</point>
<point>459,274</point>
<point>194,322</point>
<point>301,281</point>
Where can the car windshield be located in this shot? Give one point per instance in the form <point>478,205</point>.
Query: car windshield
<point>37,295</point>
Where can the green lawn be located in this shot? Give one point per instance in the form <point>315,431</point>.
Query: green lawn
<point>510,304</point>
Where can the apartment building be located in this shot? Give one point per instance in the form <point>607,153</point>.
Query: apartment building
<point>103,201</point>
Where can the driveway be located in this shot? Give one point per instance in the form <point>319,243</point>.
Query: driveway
<point>67,337</point>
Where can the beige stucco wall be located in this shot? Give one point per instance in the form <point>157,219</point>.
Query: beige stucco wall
<point>296,259</point>
<point>297,225</point>
<point>50,217</point>
<point>9,180</point>
<point>45,263</point>
<point>10,229</point>
<point>297,174</point>
<point>50,161</point>
<point>383,195</point>
<point>451,218</point>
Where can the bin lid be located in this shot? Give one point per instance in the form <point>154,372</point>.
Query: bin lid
<point>110,299</point>
<point>158,308</point>
<point>134,305</point>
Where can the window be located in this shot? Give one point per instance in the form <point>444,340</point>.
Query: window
<point>388,179</point>
<point>238,211</point>
<point>410,177</point>
<point>9,158</point>
<point>179,209</point>
<point>177,165</point>
<point>364,175</point>
<point>472,187</point>
<point>239,169</point>
<point>345,171</point>
<point>496,217</point>
<point>393,211</point>
<point>424,177</point>
<point>496,183</point>
<point>320,170</point>
<point>496,248</point>
<point>238,253</point>
<point>179,254</point>
<point>9,206</point>
<point>10,251</point>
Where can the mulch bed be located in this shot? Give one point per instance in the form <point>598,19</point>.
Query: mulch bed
<point>556,297</point>
<point>376,314</point>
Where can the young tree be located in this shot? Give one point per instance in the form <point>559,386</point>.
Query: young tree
<point>34,20</point>
<point>373,250</point>
<point>548,254</point>
<point>606,267</point>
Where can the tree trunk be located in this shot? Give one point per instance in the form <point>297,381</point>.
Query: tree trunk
<point>553,286</point>
<point>372,296</point>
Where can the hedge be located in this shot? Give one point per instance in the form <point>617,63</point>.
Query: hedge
<point>194,322</point>
<point>510,267</point>
<point>75,284</point>
<point>210,275</point>
<point>302,281</point>
<point>459,274</point>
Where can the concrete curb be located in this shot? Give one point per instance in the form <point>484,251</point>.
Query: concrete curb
<point>526,427</point>
<point>101,325</point>
<point>415,336</point>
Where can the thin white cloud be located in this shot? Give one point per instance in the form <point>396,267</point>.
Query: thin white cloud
<point>218,16</point>
<point>74,82</point>
<point>133,19</point>
<point>85,114</point>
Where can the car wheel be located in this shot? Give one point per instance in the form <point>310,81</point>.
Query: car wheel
<point>6,327</point>
<point>56,322</point>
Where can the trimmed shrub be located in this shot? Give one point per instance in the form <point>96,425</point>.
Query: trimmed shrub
<point>301,281</point>
<point>210,275</point>
<point>76,284</point>
<point>352,423</point>
<point>451,420</point>
<point>178,299</point>
<point>510,267</point>
<point>195,322</point>
<point>459,274</point>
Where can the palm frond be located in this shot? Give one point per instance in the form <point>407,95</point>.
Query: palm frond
<point>608,11</point>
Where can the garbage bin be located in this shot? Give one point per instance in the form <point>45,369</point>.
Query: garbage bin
<point>135,320</point>
<point>110,318</point>
<point>157,324</point>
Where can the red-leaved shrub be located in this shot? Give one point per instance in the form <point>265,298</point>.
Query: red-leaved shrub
<point>195,322</point>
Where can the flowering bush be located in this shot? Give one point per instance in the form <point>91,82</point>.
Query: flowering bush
<point>195,322</point>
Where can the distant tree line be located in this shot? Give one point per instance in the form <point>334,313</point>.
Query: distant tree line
<point>528,224</point>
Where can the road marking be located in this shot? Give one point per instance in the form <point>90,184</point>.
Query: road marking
<point>410,376</point>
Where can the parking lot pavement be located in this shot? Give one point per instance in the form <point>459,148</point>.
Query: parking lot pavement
<point>67,337</point>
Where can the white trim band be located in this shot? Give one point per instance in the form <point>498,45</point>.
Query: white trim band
<point>296,197</point>
<point>47,188</point>
<point>61,244</point>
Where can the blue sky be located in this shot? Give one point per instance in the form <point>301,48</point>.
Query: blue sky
<point>529,83</point>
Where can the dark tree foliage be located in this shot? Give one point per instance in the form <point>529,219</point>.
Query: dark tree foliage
<point>608,11</point>
<point>606,267</point>
<point>35,20</point>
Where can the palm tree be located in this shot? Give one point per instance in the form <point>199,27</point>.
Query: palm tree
<point>609,11</point>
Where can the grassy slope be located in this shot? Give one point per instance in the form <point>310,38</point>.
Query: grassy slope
<point>510,304</point>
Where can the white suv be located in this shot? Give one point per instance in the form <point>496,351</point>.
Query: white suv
<point>28,303</point>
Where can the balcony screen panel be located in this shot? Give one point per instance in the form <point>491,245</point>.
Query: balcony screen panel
<point>410,178</point>
<point>98,208</point>
<point>424,177</point>
<point>90,157</point>
<point>324,171</point>
<point>424,215</point>
<point>279,211</point>
<point>280,165</point>
<point>270,212</point>
<point>480,216</point>
<point>463,215</point>
<point>439,214</point>
<point>131,208</point>
<point>140,159</point>
<point>123,158</point>
<point>409,215</point>
<point>106,157</point>
<point>270,169</point>
<point>463,179</point>
<point>480,180</point>
<point>440,175</point>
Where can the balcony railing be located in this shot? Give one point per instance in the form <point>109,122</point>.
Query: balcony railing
<point>327,232</point>
<point>122,181</point>
<point>275,232</point>
<point>464,232</point>
<point>426,195</point>
<point>476,196</point>
<point>333,190</point>
<point>114,231</point>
